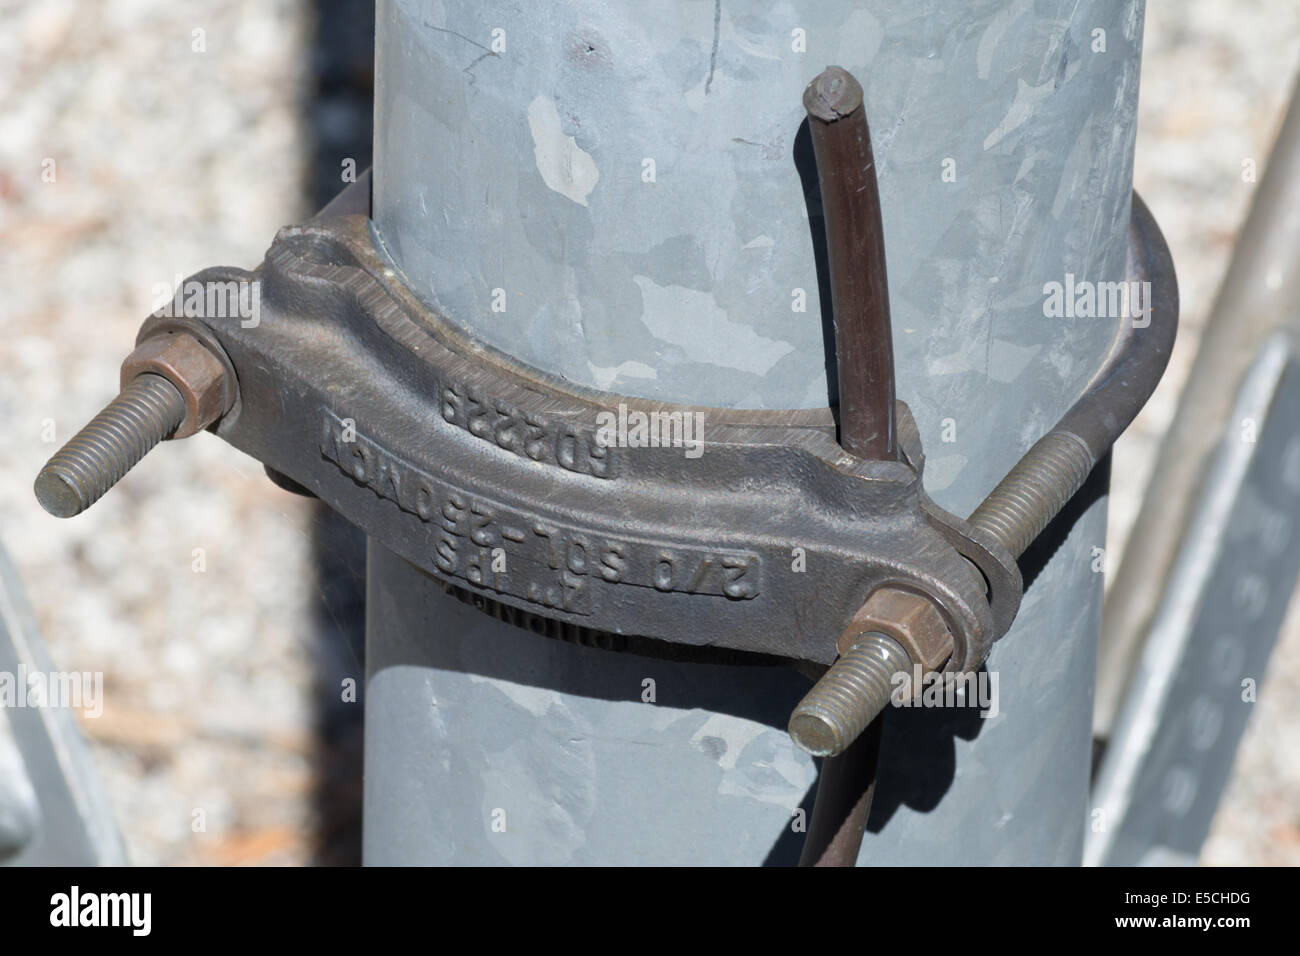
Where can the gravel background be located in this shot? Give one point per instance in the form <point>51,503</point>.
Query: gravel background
<point>1216,80</point>
<point>222,684</point>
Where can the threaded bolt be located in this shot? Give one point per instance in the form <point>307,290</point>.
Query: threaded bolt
<point>849,695</point>
<point>1035,490</point>
<point>149,409</point>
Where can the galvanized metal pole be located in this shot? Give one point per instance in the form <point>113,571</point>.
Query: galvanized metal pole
<point>619,198</point>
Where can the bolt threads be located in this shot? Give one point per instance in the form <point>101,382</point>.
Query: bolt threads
<point>149,409</point>
<point>1035,490</point>
<point>849,695</point>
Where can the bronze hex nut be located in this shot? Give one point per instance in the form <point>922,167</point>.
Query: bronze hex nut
<point>197,374</point>
<point>914,621</point>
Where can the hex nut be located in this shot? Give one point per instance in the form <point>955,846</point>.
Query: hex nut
<point>911,619</point>
<point>197,374</point>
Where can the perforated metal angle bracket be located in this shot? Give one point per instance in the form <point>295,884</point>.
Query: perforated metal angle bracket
<point>755,532</point>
